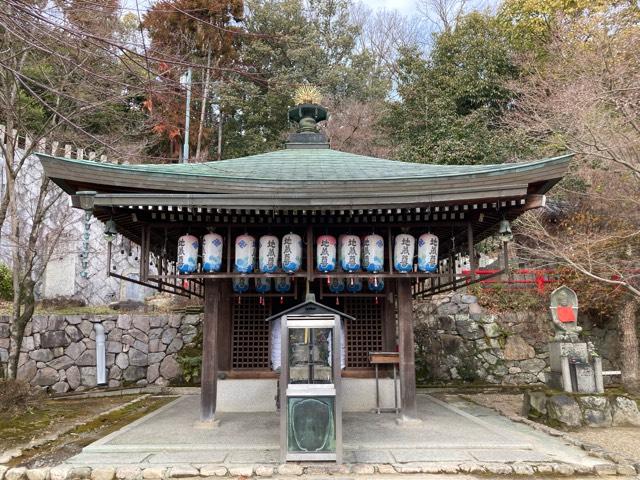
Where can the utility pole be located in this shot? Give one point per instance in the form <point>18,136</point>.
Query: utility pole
<point>187,120</point>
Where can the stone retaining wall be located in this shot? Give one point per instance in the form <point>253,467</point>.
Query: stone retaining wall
<point>457,341</point>
<point>578,410</point>
<point>59,351</point>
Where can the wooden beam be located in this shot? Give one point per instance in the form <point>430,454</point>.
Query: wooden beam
<point>407,350</point>
<point>209,382</point>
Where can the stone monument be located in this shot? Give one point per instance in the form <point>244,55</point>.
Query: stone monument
<point>575,365</point>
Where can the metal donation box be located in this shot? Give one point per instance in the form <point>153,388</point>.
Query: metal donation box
<point>310,416</point>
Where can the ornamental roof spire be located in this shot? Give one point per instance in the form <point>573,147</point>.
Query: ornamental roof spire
<point>307,113</point>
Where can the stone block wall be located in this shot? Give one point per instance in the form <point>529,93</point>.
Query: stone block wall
<point>59,351</point>
<point>457,341</point>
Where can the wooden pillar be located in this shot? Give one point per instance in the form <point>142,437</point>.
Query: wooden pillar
<point>389,327</point>
<point>209,374</point>
<point>407,350</point>
<point>473,264</point>
<point>225,326</point>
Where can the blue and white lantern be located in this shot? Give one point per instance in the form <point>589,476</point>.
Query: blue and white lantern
<point>373,253</point>
<point>245,253</point>
<point>354,285</point>
<point>187,254</point>
<point>211,252</point>
<point>349,252</point>
<point>263,285</point>
<point>268,253</point>
<point>375,284</point>
<point>240,284</point>
<point>326,253</point>
<point>283,284</point>
<point>336,285</point>
<point>403,252</point>
<point>428,253</point>
<point>291,252</point>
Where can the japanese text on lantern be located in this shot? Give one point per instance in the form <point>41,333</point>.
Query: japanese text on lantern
<point>404,251</point>
<point>286,250</point>
<point>352,252</point>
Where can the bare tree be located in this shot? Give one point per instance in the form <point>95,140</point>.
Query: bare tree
<point>586,97</point>
<point>442,14</point>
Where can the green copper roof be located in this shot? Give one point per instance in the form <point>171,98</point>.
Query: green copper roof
<point>311,165</point>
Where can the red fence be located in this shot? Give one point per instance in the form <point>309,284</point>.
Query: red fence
<point>517,278</point>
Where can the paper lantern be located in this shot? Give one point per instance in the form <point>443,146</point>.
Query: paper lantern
<point>187,254</point>
<point>326,253</point>
<point>336,285</point>
<point>349,252</point>
<point>375,284</point>
<point>211,252</point>
<point>291,252</point>
<point>403,252</point>
<point>268,253</point>
<point>245,253</point>
<point>283,284</point>
<point>354,285</point>
<point>373,253</point>
<point>428,253</point>
<point>263,285</point>
<point>240,284</point>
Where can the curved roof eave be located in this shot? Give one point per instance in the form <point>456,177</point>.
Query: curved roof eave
<point>311,173</point>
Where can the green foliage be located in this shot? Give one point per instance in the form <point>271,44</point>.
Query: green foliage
<point>451,103</point>
<point>6,283</point>
<point>190,359</point>
<point>291,43</point>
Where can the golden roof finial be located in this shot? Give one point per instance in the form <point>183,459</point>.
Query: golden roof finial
<point>307,94</point>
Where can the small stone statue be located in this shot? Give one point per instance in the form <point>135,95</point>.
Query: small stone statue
<point>564,313</point>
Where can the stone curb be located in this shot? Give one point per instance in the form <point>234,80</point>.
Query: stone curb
<point>159,472</point>
<point>7,455</point>
<point>624,465</point>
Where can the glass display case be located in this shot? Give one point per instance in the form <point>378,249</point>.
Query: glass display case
<point>310,382</point>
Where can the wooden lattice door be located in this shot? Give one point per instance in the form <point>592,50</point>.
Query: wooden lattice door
<point>250,334</point>
<point>364,333</point>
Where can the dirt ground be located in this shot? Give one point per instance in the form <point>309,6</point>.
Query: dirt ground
<point>622,440</point>
<point>77,416</point>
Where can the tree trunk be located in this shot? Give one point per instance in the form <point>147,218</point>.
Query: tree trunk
<point>627,329</point>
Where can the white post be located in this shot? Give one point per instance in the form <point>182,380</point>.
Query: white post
<point>101,355</point>
<point>597,371</point>
<point>566,375</point>
<point>185,147</point>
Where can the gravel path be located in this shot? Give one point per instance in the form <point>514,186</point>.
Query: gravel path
<point>624,440</point>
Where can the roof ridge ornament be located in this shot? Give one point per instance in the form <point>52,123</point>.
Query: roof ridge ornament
<point>307,113</point>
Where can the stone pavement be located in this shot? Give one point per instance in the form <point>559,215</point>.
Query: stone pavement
<point>453,437</point>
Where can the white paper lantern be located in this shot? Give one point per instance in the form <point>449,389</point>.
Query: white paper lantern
<point>326,253</point>
<point>211,252</point>
<point>336,285</point>
<point>283,284</point>
<point>428,253</point>
<point>403,252</point>
<point>291,252</point>
<point>349,252</point>
<point>373,253</point>
<point>240,284</point>
<point>187,254</point>
<point>375,284</point>
<point>263,285</point>
<point>245,253</point>
<point>268,253</point>
<point>354,285</point>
